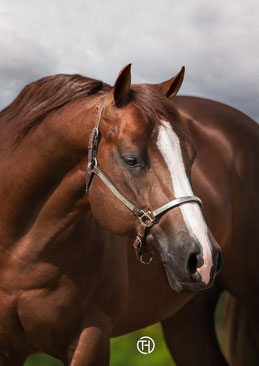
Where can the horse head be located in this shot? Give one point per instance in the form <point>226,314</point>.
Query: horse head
<point>143,156</point>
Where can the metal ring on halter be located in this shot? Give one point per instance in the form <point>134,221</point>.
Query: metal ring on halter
<point>146,218</point>
<point>142,260</point>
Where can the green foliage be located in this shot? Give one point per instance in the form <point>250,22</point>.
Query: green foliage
<point>124,349</point>
<point>42,360</point>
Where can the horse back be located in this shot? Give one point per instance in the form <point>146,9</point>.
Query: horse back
<point>241,130</point>
<point>232,136</point>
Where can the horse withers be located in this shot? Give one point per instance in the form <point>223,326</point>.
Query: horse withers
<point>67,273</point>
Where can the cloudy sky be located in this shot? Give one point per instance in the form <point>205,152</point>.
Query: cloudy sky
<point>217,41</point>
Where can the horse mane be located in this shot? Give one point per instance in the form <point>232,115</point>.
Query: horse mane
<point>41,97</point>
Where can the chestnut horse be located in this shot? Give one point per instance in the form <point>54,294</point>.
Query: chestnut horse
<point>68,268</point>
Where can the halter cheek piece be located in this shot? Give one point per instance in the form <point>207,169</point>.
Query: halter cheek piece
<point>147,219</point>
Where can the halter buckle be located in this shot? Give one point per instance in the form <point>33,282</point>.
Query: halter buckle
<point>93,163</point>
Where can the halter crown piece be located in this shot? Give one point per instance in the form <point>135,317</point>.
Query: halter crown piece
<point>147,218</point>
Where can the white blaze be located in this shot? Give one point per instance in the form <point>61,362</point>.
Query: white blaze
<point>169,145</point>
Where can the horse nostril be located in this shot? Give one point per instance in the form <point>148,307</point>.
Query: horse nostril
<point>219,263</point>
<point>192,263</point>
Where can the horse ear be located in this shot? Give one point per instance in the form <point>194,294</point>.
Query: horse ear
<point>170,87</point>
<point>122,84</point>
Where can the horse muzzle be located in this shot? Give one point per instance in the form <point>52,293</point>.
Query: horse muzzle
<point>182,264</point>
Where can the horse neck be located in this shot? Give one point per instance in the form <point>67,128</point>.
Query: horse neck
<point>43,178</point>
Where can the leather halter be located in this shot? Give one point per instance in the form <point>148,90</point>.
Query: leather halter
<point>147,218</point>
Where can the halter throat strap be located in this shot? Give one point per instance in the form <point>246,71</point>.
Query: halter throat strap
<point>147,218</point>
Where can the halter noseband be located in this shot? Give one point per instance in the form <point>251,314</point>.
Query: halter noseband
<point>147,218</point>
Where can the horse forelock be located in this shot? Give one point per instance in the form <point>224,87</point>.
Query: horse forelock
<point>43,96</point>
<point>150,103</point>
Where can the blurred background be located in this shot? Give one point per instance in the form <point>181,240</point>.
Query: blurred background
<point>216,41</point>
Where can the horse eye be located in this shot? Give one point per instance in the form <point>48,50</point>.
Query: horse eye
<point>130,162</point>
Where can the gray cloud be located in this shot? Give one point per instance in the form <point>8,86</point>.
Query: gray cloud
<point>217,42</point>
